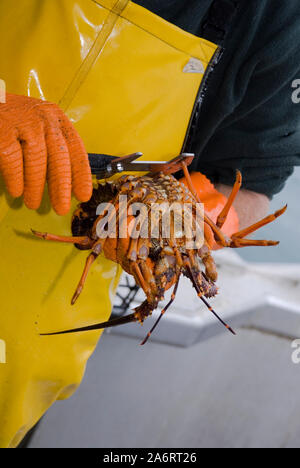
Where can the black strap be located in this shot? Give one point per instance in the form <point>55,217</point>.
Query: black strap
<point>215,27</point>
<point>219,20</point>
<point>98,162</point>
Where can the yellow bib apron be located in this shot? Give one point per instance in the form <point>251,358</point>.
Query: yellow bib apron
<point>125,78</point>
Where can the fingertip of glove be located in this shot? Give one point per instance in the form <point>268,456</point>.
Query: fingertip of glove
<point>61,210</point>
<point>84,191</point>
<point>85,196</point>
<point>15,192</point>
<point>32,204</point>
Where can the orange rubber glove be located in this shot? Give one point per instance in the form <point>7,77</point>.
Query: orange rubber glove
<point>39,143</point>
<point>214,202</point>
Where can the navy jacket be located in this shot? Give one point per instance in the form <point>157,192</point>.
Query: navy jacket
<point>250,113</point>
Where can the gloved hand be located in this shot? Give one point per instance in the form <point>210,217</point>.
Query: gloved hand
<point>214,202</point>
<point>39,143</point>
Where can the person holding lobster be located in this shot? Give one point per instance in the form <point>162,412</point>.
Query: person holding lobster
<point>107,77</point>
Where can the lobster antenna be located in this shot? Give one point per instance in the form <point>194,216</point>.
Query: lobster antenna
<point>205,301</point>
<point>162,313</point>
<point>216,315</point>
<point>98,326</point>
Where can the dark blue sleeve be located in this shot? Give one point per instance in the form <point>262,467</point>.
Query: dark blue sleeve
<point>261,135</point>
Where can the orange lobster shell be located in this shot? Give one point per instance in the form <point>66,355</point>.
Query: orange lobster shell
<point>156,263</point>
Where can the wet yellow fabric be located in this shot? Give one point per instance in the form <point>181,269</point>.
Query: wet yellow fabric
<point>119,73</point>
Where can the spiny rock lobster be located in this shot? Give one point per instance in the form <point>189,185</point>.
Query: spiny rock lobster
<point>155,262</point>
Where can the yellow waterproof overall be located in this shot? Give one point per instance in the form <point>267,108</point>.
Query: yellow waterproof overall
<point>128,80</point>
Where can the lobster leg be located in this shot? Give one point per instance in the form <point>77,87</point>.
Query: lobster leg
<point>144,277</point>
<point>220,238</point>
<point>261,223</point>
<point>218,234</point>
<point>234,241</point>
<point>82,240</point>
<point>200,295</point>
<point>193,263</point>
<point>97,248</point>
<point>162,313</point>
<point>173,245</point>
<point>146,266</point>
<point>139,250</point>
<point>134,249</point>
<point>149,278</point>
<point>209,263</point>
<point>143,242</point>
<point>237,243</point>
<point>140,278</point>
<point>224,213</point>
<point>122,249</point>
<point>145,263</point>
